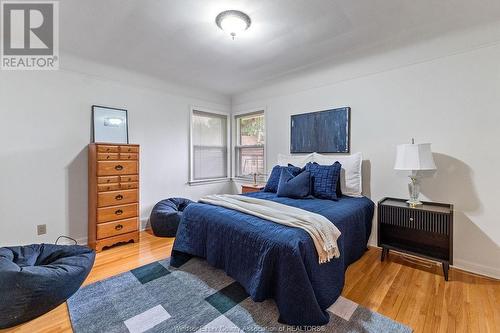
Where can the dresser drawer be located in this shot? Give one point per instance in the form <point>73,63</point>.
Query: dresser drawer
<point>109,229</point>
<point>117,212</point>
<point>129,149</point>
<point>107,149</point>
<point>129,178</point>
<point>108,180</point>
<point>108,187</point>
<point>107,156</point>
<point>416,219</point>
<point>129,156</point>
<point>128,186</point>
<point>117,198</point>
<point>109,168</point>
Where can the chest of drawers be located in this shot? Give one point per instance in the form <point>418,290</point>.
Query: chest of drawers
<point>113,194</point>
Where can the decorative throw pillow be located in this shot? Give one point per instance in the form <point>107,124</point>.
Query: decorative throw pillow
<point>274,178</point>
<point>351,173</point>
<point>339,186</point>
<point>295,167</point>
<point>296,187</point>
<point>324,180</point>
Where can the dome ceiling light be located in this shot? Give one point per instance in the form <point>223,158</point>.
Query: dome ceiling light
<point>233,22</point>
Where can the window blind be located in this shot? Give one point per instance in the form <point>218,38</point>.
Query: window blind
<point>250,141</point>
<point>209,146</point>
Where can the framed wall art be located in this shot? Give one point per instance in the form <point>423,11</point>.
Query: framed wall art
<point>322,132</point>
<point>110,125</point>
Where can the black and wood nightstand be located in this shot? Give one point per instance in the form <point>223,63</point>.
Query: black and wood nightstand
<point>425,231</point>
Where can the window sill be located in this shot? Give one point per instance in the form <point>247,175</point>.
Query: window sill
<point>208,181</point>
<point>248,180</point>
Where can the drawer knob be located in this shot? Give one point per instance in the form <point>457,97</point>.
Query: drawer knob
<point>411,219</point>
<point>119,212</point>
<point>119,197</point>
<point>119,167</point>
<point>119,227</point>
<point>109,180</point>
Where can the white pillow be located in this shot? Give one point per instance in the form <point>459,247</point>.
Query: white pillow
<point>350,175</point>
<point>296,160</point>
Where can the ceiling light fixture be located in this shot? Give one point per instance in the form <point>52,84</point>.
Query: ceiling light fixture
<point>233,22</point>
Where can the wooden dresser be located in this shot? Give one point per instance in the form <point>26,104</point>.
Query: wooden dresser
<point>113,194</point>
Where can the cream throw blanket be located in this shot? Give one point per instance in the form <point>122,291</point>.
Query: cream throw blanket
<point>323,232</point>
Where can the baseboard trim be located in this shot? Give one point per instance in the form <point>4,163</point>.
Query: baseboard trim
<point>143,225</point>
<point>471,267</point>
<point>461,265</point>
<point>79,241</point>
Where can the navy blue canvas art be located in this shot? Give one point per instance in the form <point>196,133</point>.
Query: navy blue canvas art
<point>322,132</point>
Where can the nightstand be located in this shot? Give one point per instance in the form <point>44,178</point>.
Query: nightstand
<point>425,231</point>
<point>249,188</point>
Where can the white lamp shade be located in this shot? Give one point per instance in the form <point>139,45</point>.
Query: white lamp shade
<point>414,157</point>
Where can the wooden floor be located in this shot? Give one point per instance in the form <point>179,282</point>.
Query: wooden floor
<point>411,292</point>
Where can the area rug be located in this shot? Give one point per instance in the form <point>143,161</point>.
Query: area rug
<point>197,298</point>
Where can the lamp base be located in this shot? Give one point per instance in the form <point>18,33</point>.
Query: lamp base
<point>414,189</point>
<point>414,203</point>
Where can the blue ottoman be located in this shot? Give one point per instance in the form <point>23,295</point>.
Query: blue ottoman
<point>166,216</point>
<point>37,278</point>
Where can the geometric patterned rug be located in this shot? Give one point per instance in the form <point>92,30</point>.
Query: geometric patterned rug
<point>197,298</point>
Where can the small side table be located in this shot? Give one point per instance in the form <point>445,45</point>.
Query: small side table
<point>425,231</point>
<point>249,188</point>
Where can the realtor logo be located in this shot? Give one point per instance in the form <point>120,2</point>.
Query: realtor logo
<point>30,35</point>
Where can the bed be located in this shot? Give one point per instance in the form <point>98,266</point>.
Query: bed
<point>271,260</point>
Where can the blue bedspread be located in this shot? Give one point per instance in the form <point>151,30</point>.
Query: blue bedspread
<point>271,260</point>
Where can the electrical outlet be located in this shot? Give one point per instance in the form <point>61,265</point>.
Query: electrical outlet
<point>41,229</point>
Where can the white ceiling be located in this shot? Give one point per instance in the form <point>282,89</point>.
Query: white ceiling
<point>178,41</point>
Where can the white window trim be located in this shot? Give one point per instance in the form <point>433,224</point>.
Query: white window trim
<point>191,180</point>
<point>235,141</point>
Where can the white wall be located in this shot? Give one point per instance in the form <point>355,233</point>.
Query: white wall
<point>45,126</point>
<point>452,101</point>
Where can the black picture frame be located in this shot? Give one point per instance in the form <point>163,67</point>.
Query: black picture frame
<point>94,107</point>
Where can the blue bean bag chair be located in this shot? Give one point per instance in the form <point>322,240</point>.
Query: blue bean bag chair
<point>35,279</point>
<point>166,216</point>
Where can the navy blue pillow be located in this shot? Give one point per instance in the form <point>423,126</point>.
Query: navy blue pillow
<point>296,187</point>
<point>324,180</point>
<point>293,166</point>
<point>339,189</point>
<point>274,178</point>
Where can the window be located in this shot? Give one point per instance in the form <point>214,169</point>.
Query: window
<point>209,146</point>
<point>249,148</point>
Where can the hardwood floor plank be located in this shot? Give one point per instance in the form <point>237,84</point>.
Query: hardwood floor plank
<point>411,292</point>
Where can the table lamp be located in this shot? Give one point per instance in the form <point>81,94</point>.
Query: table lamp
<point>414,157</point>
